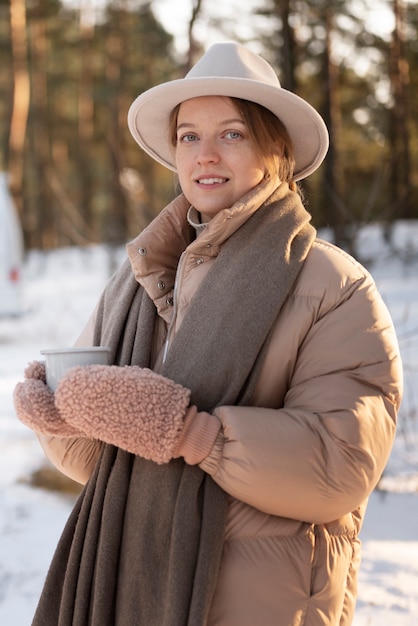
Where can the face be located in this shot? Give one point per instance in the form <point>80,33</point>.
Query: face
<point>215,158</point>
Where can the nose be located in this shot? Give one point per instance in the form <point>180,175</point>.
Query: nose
<point>208,152</point>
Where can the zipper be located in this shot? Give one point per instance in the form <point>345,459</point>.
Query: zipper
<point>173,321</point>
<point>315,547</point>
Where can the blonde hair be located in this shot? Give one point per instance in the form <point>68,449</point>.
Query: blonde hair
<point>268,134</point>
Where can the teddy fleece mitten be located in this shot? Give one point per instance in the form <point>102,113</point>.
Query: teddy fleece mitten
<point>131,407</point>
<point>35,406</point>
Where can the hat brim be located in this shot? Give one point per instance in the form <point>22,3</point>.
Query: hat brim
<point>149,115</point>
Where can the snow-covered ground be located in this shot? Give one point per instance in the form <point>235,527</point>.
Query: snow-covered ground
<point>61,289</point>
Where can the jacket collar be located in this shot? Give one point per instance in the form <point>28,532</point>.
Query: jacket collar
<point>154,254</point>
<point>171,230</point>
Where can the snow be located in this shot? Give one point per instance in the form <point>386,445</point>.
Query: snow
<point>61,289</point>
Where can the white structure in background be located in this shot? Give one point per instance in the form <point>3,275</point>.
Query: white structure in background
<point>11,253</point>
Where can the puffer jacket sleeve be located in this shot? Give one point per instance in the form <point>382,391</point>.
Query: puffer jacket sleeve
<point>74,457</point>
<point>318,455</point>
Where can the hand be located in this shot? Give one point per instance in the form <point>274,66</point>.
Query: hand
<point>35,406</point>
<point>130,407</point>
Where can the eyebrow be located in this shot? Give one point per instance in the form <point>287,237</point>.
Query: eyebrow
<point>233,120</point>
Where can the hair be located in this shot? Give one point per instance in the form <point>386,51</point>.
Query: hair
<point>268,134</point>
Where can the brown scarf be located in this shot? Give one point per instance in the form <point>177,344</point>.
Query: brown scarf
<point>143,544</point>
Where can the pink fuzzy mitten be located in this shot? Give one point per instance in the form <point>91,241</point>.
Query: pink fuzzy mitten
<point>130,407</point>
<point>35,406</point>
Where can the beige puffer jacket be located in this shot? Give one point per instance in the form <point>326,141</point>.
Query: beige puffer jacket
<point>300,464</point>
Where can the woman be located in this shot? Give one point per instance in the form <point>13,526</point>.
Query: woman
<point>229,451</point>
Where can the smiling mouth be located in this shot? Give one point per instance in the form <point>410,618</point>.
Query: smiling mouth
<point>211,181</point>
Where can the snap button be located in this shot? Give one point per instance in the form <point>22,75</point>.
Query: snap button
<point>199,261</point>
<point>142,251</point>
<point>161,285</point>
<point>170,301</point>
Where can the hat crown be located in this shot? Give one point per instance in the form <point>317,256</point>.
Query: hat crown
<point>234,61</point>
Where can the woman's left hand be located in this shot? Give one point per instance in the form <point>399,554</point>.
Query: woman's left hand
<point>35,404</point>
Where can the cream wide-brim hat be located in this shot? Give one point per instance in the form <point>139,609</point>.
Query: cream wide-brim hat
<point>229,69</point>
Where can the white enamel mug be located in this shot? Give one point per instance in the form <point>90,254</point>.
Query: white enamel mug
<point>59,360</point>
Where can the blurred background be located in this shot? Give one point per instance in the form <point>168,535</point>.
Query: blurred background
<point>70,69</point>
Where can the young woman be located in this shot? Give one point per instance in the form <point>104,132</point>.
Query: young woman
<point>229,450</point>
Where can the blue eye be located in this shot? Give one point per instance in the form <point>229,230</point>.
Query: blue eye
<point>233,134</point>
<point>187,138</point>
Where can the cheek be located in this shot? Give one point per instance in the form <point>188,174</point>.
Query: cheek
<point>253,162</point>
<point>258,171</point>
<point>175,153</point>
<point>181,161</point>
<point>183,174</point>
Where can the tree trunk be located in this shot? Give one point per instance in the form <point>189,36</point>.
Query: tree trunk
<point>288,78</point>
<point>21,100</point>
<point>333,177</point>
<point>44,235</point>
<point>401,184</point>
<point>194,49</point>
<point>115,228</point>
<point>85,157</point>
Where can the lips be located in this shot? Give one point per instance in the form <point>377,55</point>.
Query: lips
<point>211,180</point>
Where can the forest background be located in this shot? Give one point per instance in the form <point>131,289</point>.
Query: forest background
<point>69,71</point>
